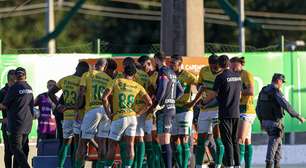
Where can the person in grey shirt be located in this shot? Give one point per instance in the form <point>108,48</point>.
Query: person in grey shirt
<point>270,111</point>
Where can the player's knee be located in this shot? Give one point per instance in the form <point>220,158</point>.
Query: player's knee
<point>248,141</point>
<point>241,140</point>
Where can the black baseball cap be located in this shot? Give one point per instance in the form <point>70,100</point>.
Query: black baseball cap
<point>20,72</point>
<point>278,76</point>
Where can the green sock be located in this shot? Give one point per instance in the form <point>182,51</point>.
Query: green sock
<point>200,150</point>
<point>128,164</point>
<point>220,151</point>
<point>186,155</point>
<point>123,153</point>
<point>242,151</point>
<point>109,163</point>
<point>135,162</point>
<point>140,154</point>
<point>75,148</point>
<point>100,164</point>
<point>179,155</point>
<point>150,155</point>
<point>158,156</point>
<point>63,155</point>
<point>248,156</point>
<point>79,163</point>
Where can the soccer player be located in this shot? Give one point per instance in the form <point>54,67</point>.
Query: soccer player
<point>95,122</point>
<point>208,118</point>
<point>146,66</point>
<point>184,112</point>
<point>156,148</point>
<point>168,90</point>
<point>70,86</point>
<point>124,119</point>
<point>247,111</point>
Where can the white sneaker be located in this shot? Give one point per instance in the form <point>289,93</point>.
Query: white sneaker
<point>218,166</point>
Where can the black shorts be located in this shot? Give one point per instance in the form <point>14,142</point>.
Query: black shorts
<point>164,119</point>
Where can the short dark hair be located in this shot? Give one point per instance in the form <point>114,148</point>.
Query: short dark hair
<point>278,76</point>
<point>141,60</point>
<point>238,59</point>
<point>160,56</point>
<point>177,57</point>
<point>53,81</point>
<point>111,64</point>
<point>100,63</point>
<point>130,70</point>
<point>83,66</point>
<point>223,61</point>
<point>10,73</point>
<point>213,59</point>
<point>127,61</point>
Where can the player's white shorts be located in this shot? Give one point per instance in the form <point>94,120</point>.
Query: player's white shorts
<point>149,126</point>
<point>92,120</point>
<point>68,129</point>
<point>141,123</point>
<point>123,126</point>
<point>249,118</point>
<point>206,121</point>
<point>182,123</point>
<point>104,127</point>
<point>77,127</point>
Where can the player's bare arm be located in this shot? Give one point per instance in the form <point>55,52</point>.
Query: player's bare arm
<point>105,101</point>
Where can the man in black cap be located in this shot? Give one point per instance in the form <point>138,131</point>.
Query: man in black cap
<point>19,105</point>
<point>270,111</point>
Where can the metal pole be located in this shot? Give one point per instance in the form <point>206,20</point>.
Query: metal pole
<point>98,46</point>
<point>0,47</point>
<point>283,43</point>
<point>241,26</point>
<point>50,26</point>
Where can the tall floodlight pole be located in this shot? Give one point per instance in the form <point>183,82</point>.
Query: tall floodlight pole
<point>50,25</point>
<point>241,26</point>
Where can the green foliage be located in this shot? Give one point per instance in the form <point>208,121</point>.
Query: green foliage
<point>21,32</point>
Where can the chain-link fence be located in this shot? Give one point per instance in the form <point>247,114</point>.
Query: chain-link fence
<point>108,47</point>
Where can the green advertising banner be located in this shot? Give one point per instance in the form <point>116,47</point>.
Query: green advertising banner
<point>262,65</point>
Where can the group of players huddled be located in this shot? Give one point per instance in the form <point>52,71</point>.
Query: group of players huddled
<point>148,112</point>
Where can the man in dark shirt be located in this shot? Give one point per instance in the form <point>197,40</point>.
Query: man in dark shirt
<point>19,105</point>
<point>168,90</point>
<point>227,89</point>
<point>3,92</point>
<point>270,111</point>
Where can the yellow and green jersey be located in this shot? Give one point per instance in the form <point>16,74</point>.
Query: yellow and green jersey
<point>187,79</point>
<point>152,80</point>
<point>124,93</point>
<point>141,78</point>
<point>70,85</point>
<point>246,102</point>
<point>95,83</point>
<point>207,78</point>
<point>119,75</point>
